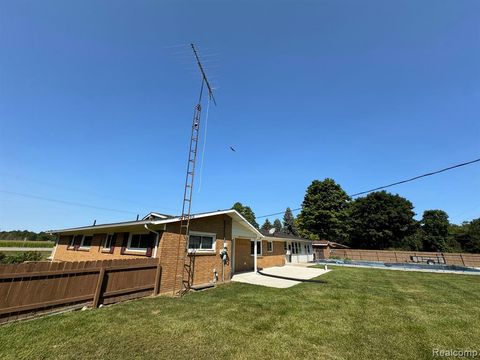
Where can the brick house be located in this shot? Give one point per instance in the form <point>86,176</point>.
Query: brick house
<point>157,235</point>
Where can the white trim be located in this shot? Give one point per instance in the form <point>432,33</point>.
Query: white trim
<point>261,247</point>
<point>269,244</point>
<point>138,250</point>
<point>206,234</point>
<point>82,247</point>
<point>105,241</point>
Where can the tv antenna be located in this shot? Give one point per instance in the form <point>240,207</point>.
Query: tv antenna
<point>189,259</point>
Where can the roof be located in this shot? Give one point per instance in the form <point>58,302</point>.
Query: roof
<point>281,235</point>
<point>325,243</point>
<point>159,219</point>
<point>156,215</point>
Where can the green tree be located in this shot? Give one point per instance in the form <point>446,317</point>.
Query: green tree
<point>277,224</point>
<point>380,220</point>
<point>246,212</point>
<point>467,235</point>
<point>434,230</point>
<point>267,225</point>
<point>324,211</point>
<point>289,226</point>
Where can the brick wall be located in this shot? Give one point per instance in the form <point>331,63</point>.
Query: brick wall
<point>96,252</point>
<point>244,261</point>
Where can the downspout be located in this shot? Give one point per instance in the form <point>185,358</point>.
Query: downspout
<point>156,240</point>
<point>255,255</point>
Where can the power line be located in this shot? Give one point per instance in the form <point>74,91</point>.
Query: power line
<point>390,185</point>
<point>65,202</point>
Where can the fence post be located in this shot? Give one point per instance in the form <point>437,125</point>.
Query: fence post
<point>158,277</point>
<point>98,289</point>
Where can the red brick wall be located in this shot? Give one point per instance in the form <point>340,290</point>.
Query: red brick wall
<point>244,260</point>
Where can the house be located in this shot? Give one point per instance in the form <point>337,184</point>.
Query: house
<point>322,248</point>
<point>296,249</point>
<point>158,236</point>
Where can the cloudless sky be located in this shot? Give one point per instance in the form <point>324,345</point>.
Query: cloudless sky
<point>96,101</point>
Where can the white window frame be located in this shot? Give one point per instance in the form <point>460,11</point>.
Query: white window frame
<point>105,242</point>
<point>259,242</point>
<point>270,246</point>
<point>132,249</point>
<point>83,247</point>
<point>72,243</point>
<point>199,233</point>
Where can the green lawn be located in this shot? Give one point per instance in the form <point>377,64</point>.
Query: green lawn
<point>357,314</point>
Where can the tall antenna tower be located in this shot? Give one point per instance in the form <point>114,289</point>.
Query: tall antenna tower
<point>189,259</point>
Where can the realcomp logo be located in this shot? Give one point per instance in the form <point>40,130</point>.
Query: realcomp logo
<point>464,353</point>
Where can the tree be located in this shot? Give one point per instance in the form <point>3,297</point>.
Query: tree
<point>289,226</point>
<point>246,212</point>
<point>277,224</point>
<point>267,225</point>
<point>434,230</point>
<point>324,211</point>
<point>467,235</point>
<point>380,220</point>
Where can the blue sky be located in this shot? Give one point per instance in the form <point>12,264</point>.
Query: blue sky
<point>96,101</point>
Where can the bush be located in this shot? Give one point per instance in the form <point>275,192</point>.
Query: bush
<point>19,258</point>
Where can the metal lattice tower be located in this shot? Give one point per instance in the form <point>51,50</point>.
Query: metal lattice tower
<point>189,260</point>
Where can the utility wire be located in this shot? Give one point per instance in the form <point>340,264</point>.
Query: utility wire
<point>65,202</point>
<point>390,185</point>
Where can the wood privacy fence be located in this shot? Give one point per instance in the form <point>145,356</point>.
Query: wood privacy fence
<point>42,287</point>
<point>462,259</point>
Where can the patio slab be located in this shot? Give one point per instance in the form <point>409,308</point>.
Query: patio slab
<point>286,271</point>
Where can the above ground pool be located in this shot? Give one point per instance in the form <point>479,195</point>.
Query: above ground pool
<point>404,266</point>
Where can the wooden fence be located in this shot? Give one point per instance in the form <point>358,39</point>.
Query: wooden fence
<point>387,256</point>
<point>41,287</point>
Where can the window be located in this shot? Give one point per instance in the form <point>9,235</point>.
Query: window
<point>270,246</point>
<point>252,247</point>
<point>201,242</point>
<point>86,242</point>
<point>75,242</point>
<point>108,241</point>
<point>140,242</point>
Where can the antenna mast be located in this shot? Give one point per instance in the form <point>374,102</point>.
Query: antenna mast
<point>189,259</point>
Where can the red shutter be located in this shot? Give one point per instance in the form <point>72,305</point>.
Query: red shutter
<point>124,243</point>
<point>112,245</point>
<point>151,244</point>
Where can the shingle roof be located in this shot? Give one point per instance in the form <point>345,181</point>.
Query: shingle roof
<point>281,235</point>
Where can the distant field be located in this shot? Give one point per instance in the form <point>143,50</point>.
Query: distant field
<point>30,244</point>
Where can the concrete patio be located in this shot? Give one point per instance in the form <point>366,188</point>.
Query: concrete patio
<point>290,271</point>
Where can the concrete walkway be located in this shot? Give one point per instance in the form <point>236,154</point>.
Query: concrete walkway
<point>291,271</point>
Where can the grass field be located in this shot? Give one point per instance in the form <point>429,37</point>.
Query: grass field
<point>29,244</point>
<point>357,314</point>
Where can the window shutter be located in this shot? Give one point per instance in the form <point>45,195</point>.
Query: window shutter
<point>125,243</point>
<point>112,245</point>
<point>151,244</point>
